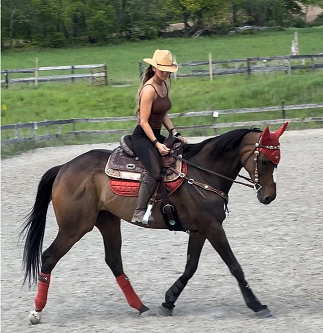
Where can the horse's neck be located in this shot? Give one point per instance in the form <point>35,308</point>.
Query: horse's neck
<point>228,164</point>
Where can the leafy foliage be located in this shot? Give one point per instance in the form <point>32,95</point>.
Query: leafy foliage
<point>56,23</point>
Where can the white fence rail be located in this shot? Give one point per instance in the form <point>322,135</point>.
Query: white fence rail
<point>248,66</point>
<point>95,73</point>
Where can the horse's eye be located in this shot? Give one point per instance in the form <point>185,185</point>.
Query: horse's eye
<point>264,162</point>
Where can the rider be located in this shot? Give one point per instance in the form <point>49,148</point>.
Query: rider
<point>153,104</point>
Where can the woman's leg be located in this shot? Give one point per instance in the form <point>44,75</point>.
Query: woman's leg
<point>150,158</point>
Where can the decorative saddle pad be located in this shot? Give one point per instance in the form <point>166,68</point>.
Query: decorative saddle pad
<point>125,170</point>
<point>123,166</point>
<point>130,188</point>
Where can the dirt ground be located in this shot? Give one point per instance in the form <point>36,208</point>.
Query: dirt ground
<point>279,247</point>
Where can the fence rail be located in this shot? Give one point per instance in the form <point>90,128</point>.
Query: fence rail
<point>96,71</point>
<point>214,124</point>
<point>247,65</point>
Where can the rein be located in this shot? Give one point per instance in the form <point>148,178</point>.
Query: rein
<point>256,186</point>
<point>211,172</point>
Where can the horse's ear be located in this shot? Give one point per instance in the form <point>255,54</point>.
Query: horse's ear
<point>281,130</point>
<point>265,137</point>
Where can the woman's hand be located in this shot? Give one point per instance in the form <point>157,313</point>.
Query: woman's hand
<point>163,150</point>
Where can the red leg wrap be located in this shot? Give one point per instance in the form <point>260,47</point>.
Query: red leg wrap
<point>128,291</point>
<point>43,285</point>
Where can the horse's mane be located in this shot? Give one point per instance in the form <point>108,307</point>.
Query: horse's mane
<point>222,143</point>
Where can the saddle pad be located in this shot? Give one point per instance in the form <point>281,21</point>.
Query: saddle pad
<point>130,188</point>
<point>123,171</point>
<point>118,160</point>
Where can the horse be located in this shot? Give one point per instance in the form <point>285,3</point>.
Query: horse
<point>82,199</point>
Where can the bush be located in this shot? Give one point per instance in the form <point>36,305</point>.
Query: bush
<point>318,21</point>
<point>52,40</point>
<point>298,22</point>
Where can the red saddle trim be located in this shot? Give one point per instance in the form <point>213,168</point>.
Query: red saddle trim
<point>130,188</point>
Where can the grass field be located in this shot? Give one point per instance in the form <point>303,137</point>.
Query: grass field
<point>122,60</point>
<point>24,103</point>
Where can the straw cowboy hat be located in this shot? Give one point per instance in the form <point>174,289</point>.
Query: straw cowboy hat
<point>163,60</point>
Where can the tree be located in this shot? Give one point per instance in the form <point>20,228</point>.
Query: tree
<point>15,19</point>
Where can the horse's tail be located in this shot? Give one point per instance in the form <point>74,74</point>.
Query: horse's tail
<point>34,226</point>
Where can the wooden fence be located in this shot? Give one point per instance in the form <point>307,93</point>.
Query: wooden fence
<point>246,65</point>
<point>214,123</point>
<point>97,73</point>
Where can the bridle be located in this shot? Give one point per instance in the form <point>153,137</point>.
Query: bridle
<point>254,183</point>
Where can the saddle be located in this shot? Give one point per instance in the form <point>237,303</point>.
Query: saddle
<point>125,169</point>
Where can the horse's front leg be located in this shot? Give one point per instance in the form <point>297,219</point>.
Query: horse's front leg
<point>217,237</point>
<point>195,245</point>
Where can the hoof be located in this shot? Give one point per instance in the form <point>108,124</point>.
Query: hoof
<point>35,316</point>
<point>144,311</point>
<point>264,313</point>
<point>166,311</point>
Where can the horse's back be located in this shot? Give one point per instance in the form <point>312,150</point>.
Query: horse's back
<point>95,158</point>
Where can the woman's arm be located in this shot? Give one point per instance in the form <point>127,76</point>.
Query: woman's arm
<point>169,125</point>
<point>148,95</point>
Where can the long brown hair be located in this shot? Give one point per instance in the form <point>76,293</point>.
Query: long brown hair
<point>149,73</point>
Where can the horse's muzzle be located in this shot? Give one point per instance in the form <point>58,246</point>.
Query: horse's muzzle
<point>267,199</point>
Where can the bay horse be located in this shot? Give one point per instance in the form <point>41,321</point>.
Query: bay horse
<point>82,199</point>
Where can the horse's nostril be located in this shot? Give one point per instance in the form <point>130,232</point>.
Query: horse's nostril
<point>268,200</point>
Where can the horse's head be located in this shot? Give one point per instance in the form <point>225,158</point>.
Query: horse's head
<point>260,159</point>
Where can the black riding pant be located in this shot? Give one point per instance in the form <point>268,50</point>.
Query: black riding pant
<point>147,153</point>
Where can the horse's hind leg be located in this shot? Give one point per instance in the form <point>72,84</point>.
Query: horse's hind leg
<point>195,246</point>
<point>218,239</point>
<point>73,225</point>
<point>109,226</point>
<point>50,257</point>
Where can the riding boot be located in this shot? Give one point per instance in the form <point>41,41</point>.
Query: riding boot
<point>146,190</point>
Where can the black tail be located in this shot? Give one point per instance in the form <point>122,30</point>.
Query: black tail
<point>34,227</point>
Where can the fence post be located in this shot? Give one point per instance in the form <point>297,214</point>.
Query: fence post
<point>6,79</point>
<point>313,65</point>
<point>16,132</point>
<point>175,73</point>
<point>296,42</point>
<point>36,71</point>
<point>105,74</point>
<point>289,66</point>
<point>59,132</point>
<point>73,126</point>
<point>210,67</point>
<point>33,130</point>
<point>72,72</point>
<point>283,110</point>
<point>248,67</point>
<point>47,128</point>
<point>215,115</point>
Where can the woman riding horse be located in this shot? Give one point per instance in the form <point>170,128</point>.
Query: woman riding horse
<point>153,104</point>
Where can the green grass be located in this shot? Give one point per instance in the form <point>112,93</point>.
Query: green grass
<point>24,103</point>
<point>81,100</point>
<point>122,60</point>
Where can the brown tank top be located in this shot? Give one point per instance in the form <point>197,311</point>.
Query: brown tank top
<point>158,109</point>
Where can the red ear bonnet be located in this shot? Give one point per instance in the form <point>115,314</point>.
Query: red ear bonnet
<point>271,140</point>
